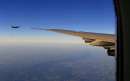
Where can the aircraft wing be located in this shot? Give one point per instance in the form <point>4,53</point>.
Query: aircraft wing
<point>106,41</point>
<point>89,35</point>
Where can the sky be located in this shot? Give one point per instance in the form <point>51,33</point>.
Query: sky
<point>81,15</point>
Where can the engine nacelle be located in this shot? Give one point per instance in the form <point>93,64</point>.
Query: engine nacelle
<point>111,52</point>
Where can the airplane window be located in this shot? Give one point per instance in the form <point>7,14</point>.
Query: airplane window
<point>57,40</point>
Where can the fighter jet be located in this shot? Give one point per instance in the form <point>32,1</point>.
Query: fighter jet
<point>107,41</point>
<point>15,27</point>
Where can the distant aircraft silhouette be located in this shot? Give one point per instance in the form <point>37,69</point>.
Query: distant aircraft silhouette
<point>15,27</point>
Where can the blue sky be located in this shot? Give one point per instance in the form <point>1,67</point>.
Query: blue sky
<point>83,15</point>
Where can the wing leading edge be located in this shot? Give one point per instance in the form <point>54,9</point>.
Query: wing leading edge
<point>106,41</point>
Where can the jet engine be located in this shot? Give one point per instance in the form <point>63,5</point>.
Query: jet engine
<point>111,52</point>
